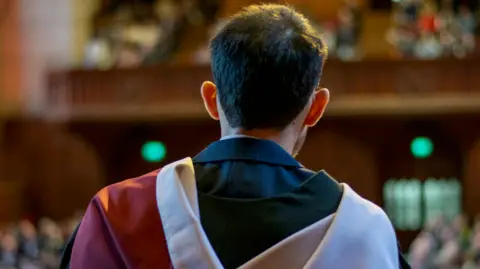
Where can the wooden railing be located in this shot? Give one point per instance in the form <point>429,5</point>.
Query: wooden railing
<point>367,87</point>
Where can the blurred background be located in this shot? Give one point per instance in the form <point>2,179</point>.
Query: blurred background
<point>96,91</point>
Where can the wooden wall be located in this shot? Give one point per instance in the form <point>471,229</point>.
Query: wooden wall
<point>10,56</point>
<point>54,169</point>
<point>45,170</point>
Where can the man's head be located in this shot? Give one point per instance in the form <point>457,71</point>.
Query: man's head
<point>266,64</point>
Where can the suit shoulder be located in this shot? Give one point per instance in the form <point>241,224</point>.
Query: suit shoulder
<point>378,213</point>
<point>375,212</point>
<point>368,212</point>
<point>378,221</point>
<point>124,215</point>
<point>128,193</point>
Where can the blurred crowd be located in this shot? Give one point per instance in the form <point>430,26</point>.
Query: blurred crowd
<point>422,29</point>
<point>130,33</point>
<point>26,246</point>
<point>341,34</point>
<point>446,244</point>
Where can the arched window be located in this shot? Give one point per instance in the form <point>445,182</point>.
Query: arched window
<point>410,203</point>
<point>442,197</point>
<point>402,199</point>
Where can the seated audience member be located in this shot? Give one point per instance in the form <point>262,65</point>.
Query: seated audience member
<point>447,245</point>
<point>8,251</point>
<point>51,243</point>
<point>22,247</point>
<point>448,257</point>
<point>28,240</point>
<point>422,250</point>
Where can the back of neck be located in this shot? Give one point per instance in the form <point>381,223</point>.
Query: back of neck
<point>283,138</point>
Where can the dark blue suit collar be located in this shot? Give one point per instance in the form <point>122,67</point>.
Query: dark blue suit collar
<point>247,149</point>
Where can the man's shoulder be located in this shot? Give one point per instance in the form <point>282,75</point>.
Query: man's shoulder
<point>120,218</point>
<point>368,208</point>
<point>133,193</point>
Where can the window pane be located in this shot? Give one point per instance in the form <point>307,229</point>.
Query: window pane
<point>442,197</point>
<point>411,203</point>
<point>399,198</point>
<point>389,198</point>
<point>414,204</point>
<point>403,203</point>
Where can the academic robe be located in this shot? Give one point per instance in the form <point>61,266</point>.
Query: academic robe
<point>154,222</point>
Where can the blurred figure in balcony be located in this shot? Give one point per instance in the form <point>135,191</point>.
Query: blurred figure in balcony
<point>172,15</point>
<point>466,19</point>
<point>428,46</point>
<point>118,22</point>
<point>467,24</point>
<point>456,41</point>
<point>428,19</point>
<point>410,10</point>
<point>97,53</point>
<point>352,7</point>
<point>185,13</point>
<point>156,27</point>
<point>449,30</point>
<point>128,55</point>
<point>402,35</point>
<point>446,14</point>
<point>347,35</point>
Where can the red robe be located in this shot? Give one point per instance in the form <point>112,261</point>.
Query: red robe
<point>122,229</point>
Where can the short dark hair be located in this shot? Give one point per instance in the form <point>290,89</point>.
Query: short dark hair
<point>266,62</point>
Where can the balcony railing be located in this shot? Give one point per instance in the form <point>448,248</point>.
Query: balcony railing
<point>359,88</point>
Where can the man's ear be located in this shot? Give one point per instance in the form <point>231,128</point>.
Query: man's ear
<point>319,103</point>
<point>209,96</point>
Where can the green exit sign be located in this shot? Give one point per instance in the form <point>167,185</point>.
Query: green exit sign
<point>153,151</point>
<point>421,147</point>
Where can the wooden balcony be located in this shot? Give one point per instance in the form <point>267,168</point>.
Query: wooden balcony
<point>380,87</point>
